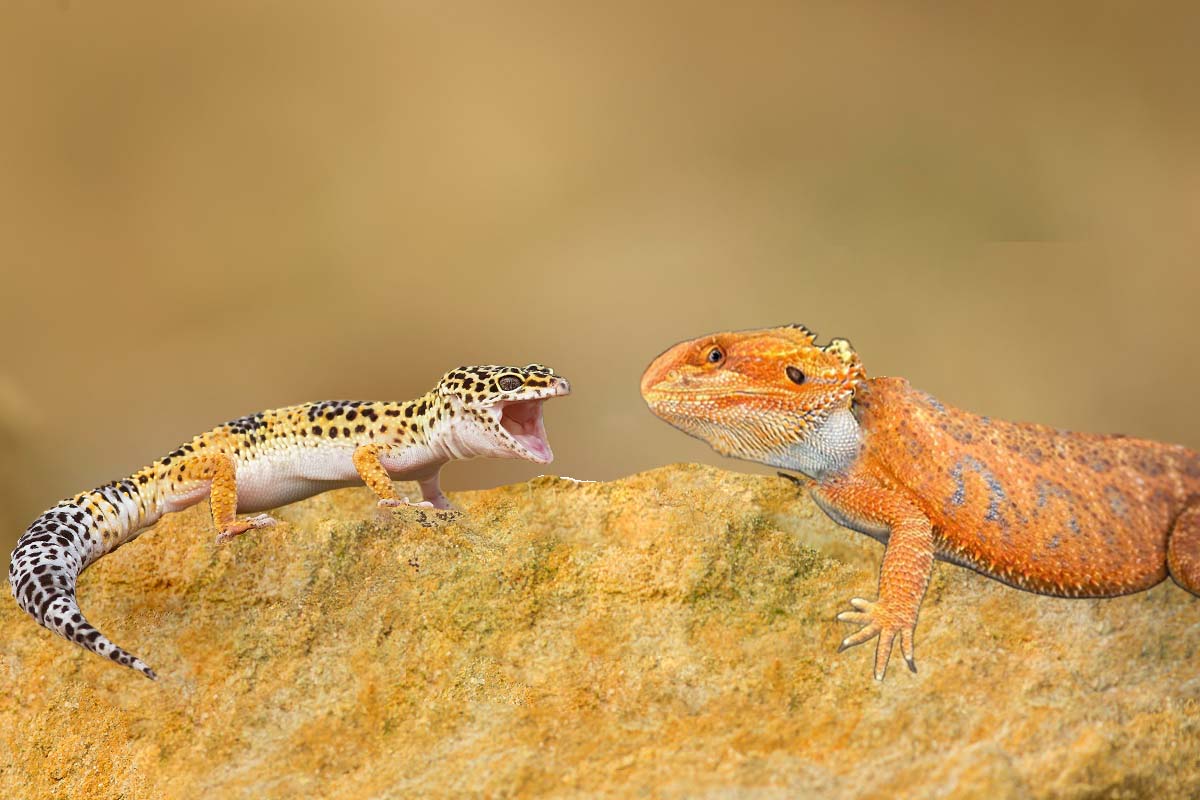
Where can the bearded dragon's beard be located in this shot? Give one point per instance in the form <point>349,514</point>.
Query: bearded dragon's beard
<point>751,434</point>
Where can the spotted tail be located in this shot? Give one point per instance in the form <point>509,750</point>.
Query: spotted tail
<point>61,544</point>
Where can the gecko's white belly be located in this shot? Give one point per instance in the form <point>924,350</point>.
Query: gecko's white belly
<point>276,479</point>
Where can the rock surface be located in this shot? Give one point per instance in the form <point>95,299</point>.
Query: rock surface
<point>670,634</point>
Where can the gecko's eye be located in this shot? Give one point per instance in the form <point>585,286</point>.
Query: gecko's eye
<point>795,375</point>
<point>715,356</point>
<point>509,383</point>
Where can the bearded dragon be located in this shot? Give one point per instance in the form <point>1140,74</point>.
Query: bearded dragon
<point>277,457</point>
<point>1044,510</point>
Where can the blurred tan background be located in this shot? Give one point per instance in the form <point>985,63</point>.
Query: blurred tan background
<point>211,210</point>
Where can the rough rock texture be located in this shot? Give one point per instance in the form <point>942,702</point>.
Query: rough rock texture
<point>670,635</point>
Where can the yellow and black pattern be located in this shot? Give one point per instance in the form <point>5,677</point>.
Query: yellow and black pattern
<point>273,457</point>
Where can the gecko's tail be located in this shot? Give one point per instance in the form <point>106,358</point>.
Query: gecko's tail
<point>45,564</point>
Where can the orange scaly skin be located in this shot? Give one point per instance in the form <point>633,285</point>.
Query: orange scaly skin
<point>1048,511</point>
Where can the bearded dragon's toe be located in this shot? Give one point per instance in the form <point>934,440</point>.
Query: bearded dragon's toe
<point>877,621</point>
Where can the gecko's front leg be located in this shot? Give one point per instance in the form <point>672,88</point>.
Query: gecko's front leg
<point>220,472</point>
<point>431,491</point>
<point>375,475</point>
<point>904,575</point>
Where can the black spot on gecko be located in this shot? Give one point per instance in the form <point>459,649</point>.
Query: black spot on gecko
<point>246,424</point>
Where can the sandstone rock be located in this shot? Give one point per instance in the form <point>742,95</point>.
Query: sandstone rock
<point>670,634</point>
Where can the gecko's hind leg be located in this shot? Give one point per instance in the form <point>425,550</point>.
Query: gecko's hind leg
<point>1183,550</point>
<point>219,471</point>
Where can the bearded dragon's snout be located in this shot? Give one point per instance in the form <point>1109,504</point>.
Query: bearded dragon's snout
<point>662,376</point>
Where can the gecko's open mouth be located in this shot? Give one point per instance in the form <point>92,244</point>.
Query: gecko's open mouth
<point>522,421</point>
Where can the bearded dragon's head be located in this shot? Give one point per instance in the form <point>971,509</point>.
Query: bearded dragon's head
<point>752,394</point>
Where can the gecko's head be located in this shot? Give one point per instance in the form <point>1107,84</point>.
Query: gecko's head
<point>751,393</point>
<point>497,411</point>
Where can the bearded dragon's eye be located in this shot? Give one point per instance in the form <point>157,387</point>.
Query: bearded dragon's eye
<point>509,382</point>
<point>795,375</point>
<point>715,356</point>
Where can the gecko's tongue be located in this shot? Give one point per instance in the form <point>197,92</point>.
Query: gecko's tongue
<point>523,421</point>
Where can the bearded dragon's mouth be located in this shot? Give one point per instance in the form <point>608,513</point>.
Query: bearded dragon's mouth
<point>522,420</point>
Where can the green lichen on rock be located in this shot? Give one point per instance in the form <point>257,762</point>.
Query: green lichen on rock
<point>669,634</point>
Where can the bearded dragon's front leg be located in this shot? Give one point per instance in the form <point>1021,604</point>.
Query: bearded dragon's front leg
<point>907,564</point>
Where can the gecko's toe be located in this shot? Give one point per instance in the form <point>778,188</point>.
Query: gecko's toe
<point>404,503</point>
<point>240,526</point>
<point>421,504</point>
